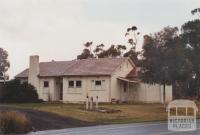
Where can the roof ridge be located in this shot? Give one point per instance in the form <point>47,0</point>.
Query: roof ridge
<point>83,59</point>
<point>54,61</point>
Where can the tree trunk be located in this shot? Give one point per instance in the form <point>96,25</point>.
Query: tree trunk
<point>164,93</point>
<point>4,78</point>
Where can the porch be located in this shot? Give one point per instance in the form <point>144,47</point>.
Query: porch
<point>128,89</point>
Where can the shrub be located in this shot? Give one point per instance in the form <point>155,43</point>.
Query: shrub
<point>14,122</point>
<point>14,91</point>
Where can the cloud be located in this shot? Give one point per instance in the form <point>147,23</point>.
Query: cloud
<point>57,29</point>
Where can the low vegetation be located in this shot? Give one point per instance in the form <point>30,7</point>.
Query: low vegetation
<point>14,122</point>
<point>128,112</point>
<point>15,92</point>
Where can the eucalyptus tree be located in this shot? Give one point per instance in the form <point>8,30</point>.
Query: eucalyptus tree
<point>191,38</point>
<point>4,64</point>
<point>86,53</point>
<point>132,35</point>
<point>164,61</point>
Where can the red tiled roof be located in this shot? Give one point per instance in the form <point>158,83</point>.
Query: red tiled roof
<point>86,67</point>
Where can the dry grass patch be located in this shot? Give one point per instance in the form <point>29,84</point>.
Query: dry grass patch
<point>129,112</point>
<point>14,122</point>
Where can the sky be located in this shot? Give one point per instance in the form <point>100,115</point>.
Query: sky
<point>57,29</point>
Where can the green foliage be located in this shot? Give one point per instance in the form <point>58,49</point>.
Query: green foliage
<point>191,38</point>
<point>196,11</point>
<point>85,54</point>
<point>86,51</point>
<point>132,34</point>
<point>133,55</point>
<point>15,92</point>
<point>163,60</point>
<point>4,64</point>
<point>14,122</point>
<point>114,50</point>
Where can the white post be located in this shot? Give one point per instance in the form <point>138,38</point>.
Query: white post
<point>87,102</point>
<point>186,111</point>
<point>97,102</point>
<point>91,103</point>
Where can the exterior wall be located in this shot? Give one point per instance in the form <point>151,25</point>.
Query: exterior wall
<point>111,88</point>
<point>47,94</point>
<point>146,93</point>
<point>168,93</point>
<point>79,94</point>
<point>149,93</point>
<point>51,93</point>
<point>130,94</point>
<point>121,71</point>
<point>135,92</point>
<point>58,89</point>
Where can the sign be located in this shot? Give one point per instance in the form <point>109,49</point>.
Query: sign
<point>182,115</point>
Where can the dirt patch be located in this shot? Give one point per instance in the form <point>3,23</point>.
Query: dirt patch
<point>44,121</point>
<point>103,110</point>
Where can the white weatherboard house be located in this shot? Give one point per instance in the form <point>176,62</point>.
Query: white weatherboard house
<point>108,78</point>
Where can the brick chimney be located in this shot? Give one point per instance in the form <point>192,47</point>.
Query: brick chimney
<point>34,71</point>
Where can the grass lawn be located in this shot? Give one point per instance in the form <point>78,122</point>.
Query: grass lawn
<point>129,112</point>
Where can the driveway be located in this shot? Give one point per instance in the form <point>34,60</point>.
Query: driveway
<point>44,121</point>
<point>123,129</point>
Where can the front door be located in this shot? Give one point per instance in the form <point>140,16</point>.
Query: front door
<point>61,91</point>
<point>124,90</point>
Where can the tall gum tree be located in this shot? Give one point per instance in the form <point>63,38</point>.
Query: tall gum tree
<point>163,60</point>
<point>4,64</point>
<point>191,38</point>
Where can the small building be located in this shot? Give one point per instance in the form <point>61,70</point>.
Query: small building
<point>108,78</point>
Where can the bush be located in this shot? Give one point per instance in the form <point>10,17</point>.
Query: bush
<point>14,91</point>
<point>14,122</point>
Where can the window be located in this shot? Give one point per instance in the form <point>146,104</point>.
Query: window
<point>78,84</point>
<point>46,84</point>
<point>71,84</point>
<point>98,83</point>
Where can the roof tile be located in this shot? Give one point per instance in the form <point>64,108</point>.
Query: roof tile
<point>86,67</point>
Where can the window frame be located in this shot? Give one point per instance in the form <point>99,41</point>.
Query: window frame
<point>80,84</point>
<point>46,84</point>
<point>70,81</point>
<point>98,85</point>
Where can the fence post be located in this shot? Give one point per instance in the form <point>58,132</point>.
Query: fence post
<point>97,102</point>
<point>91,103</point>
<point>87,102</point>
